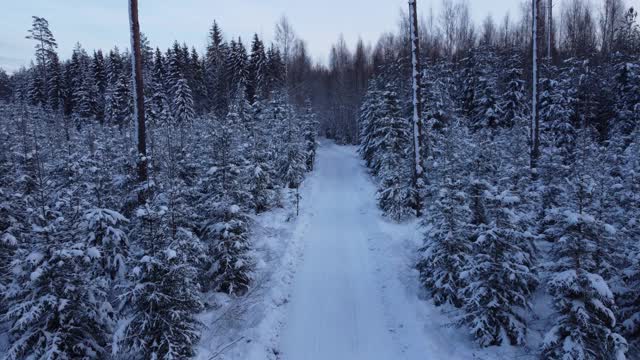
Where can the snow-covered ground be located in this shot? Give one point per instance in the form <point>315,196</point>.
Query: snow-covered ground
<point>337,283</point>
<point>247,328</point>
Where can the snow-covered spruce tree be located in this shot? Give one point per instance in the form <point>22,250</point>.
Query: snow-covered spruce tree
<point>630,297</point>
<point>120,103</point>
<point>467,80</point>
<point>447,243</point>
<point>11,229</point>
<point>279,118</point>
<point>630,302</point>
<point>224,175</point>
<point>183,112</point>
<point>197,82</point>
<point>438,104</point>
<point>292,161</point>
<point>99,75</point>
<point>628,98</point>
<point>103,230</point>
<point>585,328</point>
<point>236,65</point>
<point>310,134</point>
<point>257,68</point>
<point>485,108</point>
<point>11,217</point>
<point>164,298</point>
<point>558,151</point>
<point>369,126</point>
<point>260,167</point>
<point>500,276</point>
<point>56,307</point>
<point>216,53</point>
<point>513,103</point>
<point>182,103</point>
<point>395,190</point>
<point>224,197</point>
<point>259,185</point>
<point>231,271</point>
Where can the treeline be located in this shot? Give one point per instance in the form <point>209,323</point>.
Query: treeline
<point>500,227</point>
<point>94,264</point>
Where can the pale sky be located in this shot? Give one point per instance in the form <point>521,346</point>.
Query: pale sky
<point>104,23</point>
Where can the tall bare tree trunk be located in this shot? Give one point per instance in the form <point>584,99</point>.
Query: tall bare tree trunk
<point>535,120</point>
<point>550,31</point>
<point>138,96</point>
<point>417,107</point>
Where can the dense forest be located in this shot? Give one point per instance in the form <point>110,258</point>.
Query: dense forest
<point>85,244</point>
<point>531,181</point>
<point>514,207</point>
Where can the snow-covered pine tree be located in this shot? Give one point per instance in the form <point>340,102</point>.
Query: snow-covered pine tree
<point>467,80</point>
<point>485,110</point>
<point>45,52</point>
<point>395,191</point>
<point>558,150</point>
<point>257,70</point>
<point>292,161</point>
<point>84,99</point>
<point>183,112</point>
<point>586,327</point>
<point>275,70</point>
<point>630,297</point>
<point>513,103</point>
<point>260,168</point>
<point>310,134</point>
<point>224,197</point>
<point>11,229</point>
<point>628,98</point>
<point>55,96</point>
<point>447,243</point>
<point>197,81</point>
<point>121,103</point>
<point>438,83</point>
<point>37,96</point>
<point>369,126</point>
<point>237,71</point>
<point>160,108</point>
<point>55,306</point>
<point>103,230</point>
<point>500,276</point>
<point>215,78</point>
<point>224,176</point>
<point>232,269</point>
<point>164,296</point>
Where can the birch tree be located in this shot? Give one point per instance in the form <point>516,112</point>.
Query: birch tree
<point>417,106</point>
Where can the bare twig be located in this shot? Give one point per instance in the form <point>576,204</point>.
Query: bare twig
<point>225,348</point>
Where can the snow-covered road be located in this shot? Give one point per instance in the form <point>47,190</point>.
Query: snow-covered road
<point>336,282</point>
<point>338,309</point>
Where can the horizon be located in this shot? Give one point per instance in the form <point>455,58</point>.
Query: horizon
<point>106,26</point>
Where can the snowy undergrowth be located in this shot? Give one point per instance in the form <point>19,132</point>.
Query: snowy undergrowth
<point>247,328</point>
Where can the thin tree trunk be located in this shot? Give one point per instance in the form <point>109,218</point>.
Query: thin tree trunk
<point>417,106</point>
<point>138,98</point>
<point>535,120</point>
<point>550,31</point>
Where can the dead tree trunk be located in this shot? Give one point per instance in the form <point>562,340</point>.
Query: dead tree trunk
<point>138,97</point>
<point>535,119</point>
<point>550,37</point>
<point>417,107</point>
